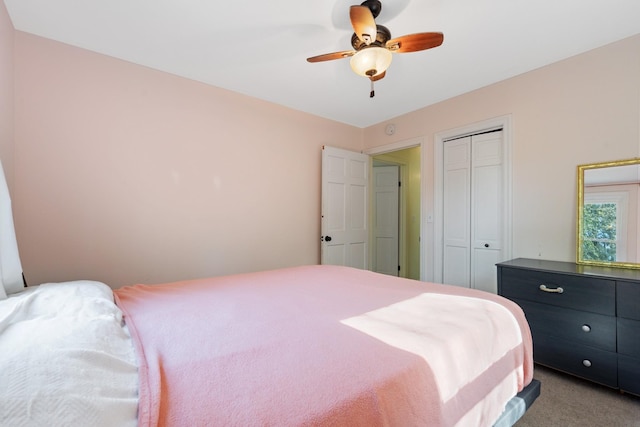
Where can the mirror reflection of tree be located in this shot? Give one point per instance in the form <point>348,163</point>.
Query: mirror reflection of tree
<point>599,231</point>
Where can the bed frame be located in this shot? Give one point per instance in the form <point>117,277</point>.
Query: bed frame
<point>517,406</point>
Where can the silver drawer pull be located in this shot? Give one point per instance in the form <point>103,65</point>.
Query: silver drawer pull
<point>557,290</point>
<point>587,363</point>
<point>586,328</point>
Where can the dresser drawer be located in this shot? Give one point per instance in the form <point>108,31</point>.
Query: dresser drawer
<point>582,327</point>
<point>629,337</point>
<point>578,292</point>
<point>628,296</point>
<point>629,374</point>
<point>591,363</point>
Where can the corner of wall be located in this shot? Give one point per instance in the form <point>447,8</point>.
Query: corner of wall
<point>7,133</point>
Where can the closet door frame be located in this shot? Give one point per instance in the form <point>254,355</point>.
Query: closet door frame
<point>502,122</point>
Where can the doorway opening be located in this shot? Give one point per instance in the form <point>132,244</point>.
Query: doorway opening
<point>396,213</point>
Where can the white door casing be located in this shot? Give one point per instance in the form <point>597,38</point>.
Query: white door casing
<point>386,219</point>
<point>345,200</point>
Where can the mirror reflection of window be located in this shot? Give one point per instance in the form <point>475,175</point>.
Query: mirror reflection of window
<point>605,224</point>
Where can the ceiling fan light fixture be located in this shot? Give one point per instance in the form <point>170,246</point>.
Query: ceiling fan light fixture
<point>371,61</point>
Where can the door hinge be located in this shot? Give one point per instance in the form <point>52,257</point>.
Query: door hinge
<point>398,268</point>
<point>399,183</point>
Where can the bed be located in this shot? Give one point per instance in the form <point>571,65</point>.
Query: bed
<point>304,346</point>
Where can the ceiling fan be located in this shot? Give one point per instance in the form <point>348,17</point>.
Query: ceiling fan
<point>373,45</point>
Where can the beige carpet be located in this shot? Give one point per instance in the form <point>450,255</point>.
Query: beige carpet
<point>567,401</point>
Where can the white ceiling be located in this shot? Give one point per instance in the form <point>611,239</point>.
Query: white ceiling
<point>259,48</point>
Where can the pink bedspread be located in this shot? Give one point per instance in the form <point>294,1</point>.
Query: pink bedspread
<point>323,345</point>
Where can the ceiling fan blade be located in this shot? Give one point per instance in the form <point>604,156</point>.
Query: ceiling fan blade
<point>363,23</point>
<point>332,56</point>
<point>415,42</point>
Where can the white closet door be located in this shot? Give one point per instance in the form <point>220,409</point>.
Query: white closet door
<point>473,204</point>
<point>487,210</point>
<point>457,211</point>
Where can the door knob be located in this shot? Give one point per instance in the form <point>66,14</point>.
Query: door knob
<point>327,238</point>
<point>486,245</point>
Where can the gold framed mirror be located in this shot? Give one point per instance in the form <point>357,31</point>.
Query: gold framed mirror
<point>608,214</point>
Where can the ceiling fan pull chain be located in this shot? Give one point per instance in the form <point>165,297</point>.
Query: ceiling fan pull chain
<point>372,93</point>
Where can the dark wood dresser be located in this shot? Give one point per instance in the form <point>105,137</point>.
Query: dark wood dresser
<point>585,320</point>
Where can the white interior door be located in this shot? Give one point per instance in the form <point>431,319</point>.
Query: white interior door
<point>473,207</point>
<point>344,224</point>
<point>386,219</point>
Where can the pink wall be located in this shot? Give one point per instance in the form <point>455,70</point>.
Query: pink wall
<point>584,109</point>
<point>125,174</point>
<point>6,94</point>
